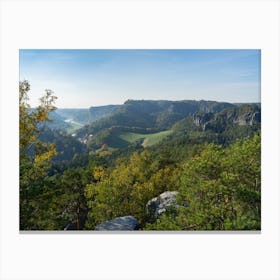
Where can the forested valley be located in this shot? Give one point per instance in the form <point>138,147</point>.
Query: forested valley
<point>143,165</point>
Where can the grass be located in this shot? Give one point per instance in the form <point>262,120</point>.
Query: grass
<point>148,139</point>
<point>131,137</point>
<point>154,138</point>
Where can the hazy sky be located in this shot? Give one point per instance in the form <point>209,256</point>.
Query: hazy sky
<point>84,78</point>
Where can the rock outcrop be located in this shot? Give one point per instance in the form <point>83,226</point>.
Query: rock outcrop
<point>158,205</point>
<point>202,118</point>
<point>120,223</point>
<point>240,115</point>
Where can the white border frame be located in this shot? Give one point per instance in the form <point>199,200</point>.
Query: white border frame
<point>140,24</point>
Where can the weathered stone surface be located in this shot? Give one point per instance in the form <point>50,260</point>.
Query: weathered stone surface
<point>219,121</point>
<point>120,223</point>
<point>158,205</point>
<point>201,119</point>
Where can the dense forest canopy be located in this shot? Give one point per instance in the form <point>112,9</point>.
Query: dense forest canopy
<point>171,165</point>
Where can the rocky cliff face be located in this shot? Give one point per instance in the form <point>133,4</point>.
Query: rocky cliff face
<point>242,115</point>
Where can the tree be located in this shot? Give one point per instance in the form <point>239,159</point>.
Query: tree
<point>35,155</point>
<point>73,202</point>
<point>126,188</point>
<point>222,188</point>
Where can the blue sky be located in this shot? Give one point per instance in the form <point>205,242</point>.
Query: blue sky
<point>84,78</point>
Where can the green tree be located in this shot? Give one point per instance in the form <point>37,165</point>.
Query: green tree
<point>35,155</point>
<point>126,189</point>
<point>72,201</point>
<point>222,188</point>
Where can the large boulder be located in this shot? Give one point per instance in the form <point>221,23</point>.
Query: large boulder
<point>158,205</point>
<point>120,223</point>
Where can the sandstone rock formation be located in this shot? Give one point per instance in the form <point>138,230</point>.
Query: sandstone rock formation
<point>120,223</point>
<point>158,205</point>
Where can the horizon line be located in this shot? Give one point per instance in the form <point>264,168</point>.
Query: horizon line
<point>157,100</point>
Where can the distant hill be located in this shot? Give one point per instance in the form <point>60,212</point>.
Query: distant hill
<point>137,121</point>
<point>149,114</point>
<point>57,122</point>
<point>147,122</point>
<point>86,116</point>
<point>70,120</point>
<point>221,127</point>
<point>98,112</point>
<point>242,115</point>
<point>78,115</point>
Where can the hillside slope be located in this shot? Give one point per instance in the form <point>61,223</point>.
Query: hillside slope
<point>148,114</point>
<point>87,116</point>
<point>137,125</point>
